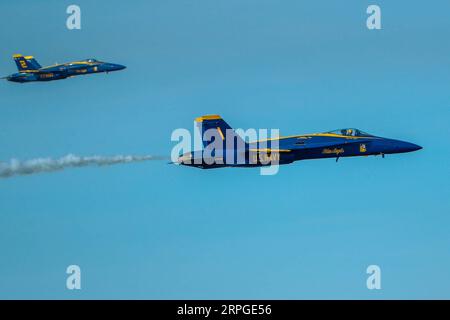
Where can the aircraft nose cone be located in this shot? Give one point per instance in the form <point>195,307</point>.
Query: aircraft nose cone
<point>408,147</point>
<point>118,67</point>
<point>415,147</point>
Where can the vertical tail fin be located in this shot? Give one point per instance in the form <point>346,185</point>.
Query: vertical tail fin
<point>219,128</point>
<point>26,63</point>
<point>31,61</point>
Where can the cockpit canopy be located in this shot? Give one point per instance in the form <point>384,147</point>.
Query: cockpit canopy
<point>91,60</point>
<point>351,132</point>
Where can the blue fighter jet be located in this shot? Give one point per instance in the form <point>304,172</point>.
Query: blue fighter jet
<point>223,147</point>
<point>30,70</point>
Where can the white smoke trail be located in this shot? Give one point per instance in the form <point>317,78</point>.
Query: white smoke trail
<point>15,167</point>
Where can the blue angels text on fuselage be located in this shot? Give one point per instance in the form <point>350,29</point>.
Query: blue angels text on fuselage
<point>31,70</point>
<point>283,150</point>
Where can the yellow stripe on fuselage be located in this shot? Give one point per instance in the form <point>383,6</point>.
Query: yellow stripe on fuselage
<point>270,150</point>
<point>306,136</point>
<point>69,63</point>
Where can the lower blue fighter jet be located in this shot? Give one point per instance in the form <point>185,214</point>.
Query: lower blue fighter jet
<point>223,147</point>
<point>30,70</point>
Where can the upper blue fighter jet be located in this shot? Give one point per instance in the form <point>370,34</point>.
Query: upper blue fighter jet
<point>31,70</point>
<point>223,147</point>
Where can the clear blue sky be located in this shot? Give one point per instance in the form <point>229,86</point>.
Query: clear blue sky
<point>151,230</point>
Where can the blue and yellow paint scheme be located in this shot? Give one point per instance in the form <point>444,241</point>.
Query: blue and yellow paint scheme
<point>30,70</point>
<point>336,144</point>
